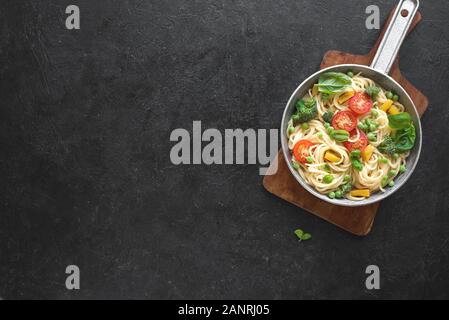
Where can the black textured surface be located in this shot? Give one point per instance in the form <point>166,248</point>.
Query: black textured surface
<point>86,177</point>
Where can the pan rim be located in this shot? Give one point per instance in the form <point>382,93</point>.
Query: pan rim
<point>310,189</point>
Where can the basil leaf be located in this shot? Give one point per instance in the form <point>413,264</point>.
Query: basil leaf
<point>299,233</point>
<point>405,139</point>
<point>333,82</point>
<point>306,236</point>
<point>399,121</point>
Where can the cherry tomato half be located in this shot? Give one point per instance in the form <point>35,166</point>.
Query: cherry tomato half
<point>360,144</point>
<point>301,150</point>
<point>360,103</point>
<point>344,120</point>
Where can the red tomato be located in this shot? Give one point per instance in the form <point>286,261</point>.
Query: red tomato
<point>301,150</point>
<point>360,144</point>
<point>344,120</point>
<point>360,103</point>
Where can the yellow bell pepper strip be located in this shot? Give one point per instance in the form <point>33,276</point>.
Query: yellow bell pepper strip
<point>367,153</point>
<point>365,193</point>
<point>331,157</point>
<point>345,97</point>
<point>387,105</point>
<point>393,110</point>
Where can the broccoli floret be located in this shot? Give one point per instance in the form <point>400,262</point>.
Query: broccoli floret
<point>388,146</point>
<point>306,110</point>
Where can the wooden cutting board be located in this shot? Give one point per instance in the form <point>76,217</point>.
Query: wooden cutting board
<point>358,221</point>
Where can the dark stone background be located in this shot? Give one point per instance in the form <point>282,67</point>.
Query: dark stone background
<point>85,173</point>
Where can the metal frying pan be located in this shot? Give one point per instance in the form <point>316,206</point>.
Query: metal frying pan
<point>378,71</point>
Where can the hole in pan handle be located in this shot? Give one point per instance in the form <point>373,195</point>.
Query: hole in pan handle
<point>394,36</point>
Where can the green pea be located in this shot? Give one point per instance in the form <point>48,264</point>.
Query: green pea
<point>369,125</point>
<point>367,128</point>
<point>295,117</point>
<point>331,195</point>
<point>350,74</point>
<point>328,179</point>
<point>327,168</point>
<point>396,156</point>
<point>291,130</point>
<point>371,137</point>
<point>309,159</point>
<point>356,153</point>
<point>391,184</point>
<point>384,181</point>
<point>305,126</point>
<point>320,135</point>
<point>383,160</point>
<point>346,188</point>
<point>338,194</point>
<point>402,169</point>
<point>374,113</point>
<point>389,95</point>
<point>372,127</point>
<point>358,166</point>
<point>347,178</point>
<point>395,97</point>
<point>391,173</point>
<point>295,166</point>
<point>327,125</point>
<point>362,126</point>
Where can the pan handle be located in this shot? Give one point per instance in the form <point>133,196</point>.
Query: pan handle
<point>395,35</point>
